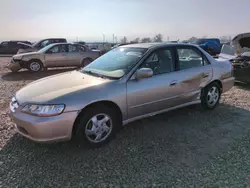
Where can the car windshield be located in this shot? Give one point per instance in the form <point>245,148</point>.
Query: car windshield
<point>227,49</point>
<point>44,49</point>
<point>116,63</point>
<point>199,41</point>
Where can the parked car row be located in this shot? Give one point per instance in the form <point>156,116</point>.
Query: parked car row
<point>14,47</point>
<point>53,55</point>
<point>125,84</point>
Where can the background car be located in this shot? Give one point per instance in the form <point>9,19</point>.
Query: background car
<point>241,43</point>
<point>210,45</point>
<point>41,44</point>
<point>241,62</point>
<point>126,84</point>
<point>54,55</point>
<point>12,47</point>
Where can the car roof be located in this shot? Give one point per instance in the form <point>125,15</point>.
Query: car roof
<point>53,44</point>
<point>155,45</point>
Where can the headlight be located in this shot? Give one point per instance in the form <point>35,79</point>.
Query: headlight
<point>18,59</point>
<point>43,110</point>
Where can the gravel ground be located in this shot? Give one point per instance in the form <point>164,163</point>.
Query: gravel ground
<point>189,147</point>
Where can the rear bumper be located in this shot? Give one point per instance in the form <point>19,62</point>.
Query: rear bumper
<point>227,84</point>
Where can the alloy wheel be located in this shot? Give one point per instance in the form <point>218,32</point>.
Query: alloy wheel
<point>98,128</point>
<point>35,66</point>
<point>213,96</point>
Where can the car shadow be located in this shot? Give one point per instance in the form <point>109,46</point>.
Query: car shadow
<point>242,85</point>
<point>185,140</point>
<point>26,75</point>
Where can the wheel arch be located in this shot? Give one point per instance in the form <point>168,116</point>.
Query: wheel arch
<point>108,103</point>
<point>85,58</point>
<point>219,83</point>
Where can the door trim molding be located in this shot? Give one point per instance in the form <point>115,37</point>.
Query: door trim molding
<point>159,112</point>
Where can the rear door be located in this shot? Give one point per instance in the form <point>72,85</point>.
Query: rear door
<point>76,55</point>
<point>56,56</point>
<point>193,73</point>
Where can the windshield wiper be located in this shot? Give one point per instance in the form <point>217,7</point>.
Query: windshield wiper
<point>94,74</point>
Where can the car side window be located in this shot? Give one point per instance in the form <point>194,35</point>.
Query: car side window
<point>81,49</point>
<point>5,43</point>
<point>190,57</point>
<point>160,61</point>
<point>72,48</point>
<point>54,49</point>
<point>58,49</point>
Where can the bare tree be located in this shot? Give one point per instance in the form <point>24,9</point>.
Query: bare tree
<point>145,40</point>
<point>158,38</point>
<point>124,40</point>
<point>191,39</point>
<point>136,40</point>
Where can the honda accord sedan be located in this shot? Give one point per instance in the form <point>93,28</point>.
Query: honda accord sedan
<point>126,84</point>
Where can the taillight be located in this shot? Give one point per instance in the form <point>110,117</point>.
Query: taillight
<point>232,69</point>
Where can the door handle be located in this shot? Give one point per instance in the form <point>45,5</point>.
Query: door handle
<point>205,75</point>
<point>173,83</point>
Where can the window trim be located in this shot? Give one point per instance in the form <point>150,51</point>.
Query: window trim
<point>161,48</point>
<point>204,58</point>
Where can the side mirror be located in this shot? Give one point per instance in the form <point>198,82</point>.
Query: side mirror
<point>48,52</point>
<point>143,73</point>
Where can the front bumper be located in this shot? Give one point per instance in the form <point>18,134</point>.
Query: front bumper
<point>45,129</point>
<point>14,66</point>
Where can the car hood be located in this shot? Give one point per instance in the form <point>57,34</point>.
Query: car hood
<point>20,56</point>
<point>48,89</point>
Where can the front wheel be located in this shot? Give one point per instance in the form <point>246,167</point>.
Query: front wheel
<point>35,66</point>
<point>211,96</point>
<point>98,125</point>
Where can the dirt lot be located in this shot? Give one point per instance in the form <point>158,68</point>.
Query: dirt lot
<point>188,147</point>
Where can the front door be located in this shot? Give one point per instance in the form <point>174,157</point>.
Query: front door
<point>56,56</point>
<point>149,95</point>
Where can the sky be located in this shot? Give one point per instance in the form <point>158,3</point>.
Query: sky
<point>90,20</point>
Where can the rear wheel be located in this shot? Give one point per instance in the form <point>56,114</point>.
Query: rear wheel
<point>98,125</point>
<point>35,66</point>
<point>211,96</point>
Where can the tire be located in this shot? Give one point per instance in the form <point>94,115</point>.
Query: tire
<point>86,61</point>
<point>210,96</point>
<point>97,126</point>
<point>35,66</point>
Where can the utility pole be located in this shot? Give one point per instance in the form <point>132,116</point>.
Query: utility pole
<point>103,38</point>
<point>113,38</point>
